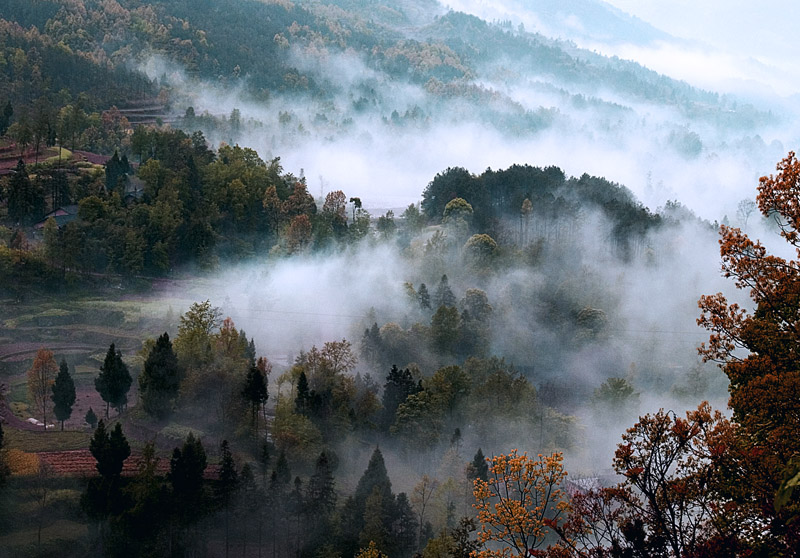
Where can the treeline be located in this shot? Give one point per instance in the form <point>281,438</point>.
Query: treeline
<point>540,203</point>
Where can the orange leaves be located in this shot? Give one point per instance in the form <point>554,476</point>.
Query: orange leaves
<point>520,502</point>
<point>781,194</point>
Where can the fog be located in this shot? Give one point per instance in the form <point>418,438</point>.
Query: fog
<point>656,150</point>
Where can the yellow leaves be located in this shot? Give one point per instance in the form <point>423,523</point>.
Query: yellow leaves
<point>520,502</point>
<point>22,463</point>
<point>370,552</point>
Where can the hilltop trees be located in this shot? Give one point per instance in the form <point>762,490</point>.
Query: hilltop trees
<point>41,376</point>
<point>114,380</point>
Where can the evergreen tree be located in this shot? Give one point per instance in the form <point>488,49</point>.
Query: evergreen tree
<point>282,473</point>
<point>114,380</point>
<point>405,528</point>
<point>110,450</point>
<point>302,400</point>
<point>63,394</point>
<point>25,198</point>
<point>226,485</point>
<point>321,491</point>
<point>479,468</point>
<point>371,345</point>
<point>187,466</point>
<point>91,418</point>
<point>160,378</point>
<point>399,385</point>
<point>255,391</point>
<point>375,475</point>
<point>424,297</point>
<point>444,296</point>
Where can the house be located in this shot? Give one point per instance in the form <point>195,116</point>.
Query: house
<point>62,215</point>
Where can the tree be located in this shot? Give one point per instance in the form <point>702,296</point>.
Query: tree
<point>399,385</point>
<point>186,469</point>
<point>63,394</point>
<point>193,343</point>
<point>109,450</point>
<point>160,378</point>
<point>40,382</point>
<point>444,296</point>
<point>25,198</point>
<point>114,380</point>
<point>479,468</point>
<point>255,391</point>
<point>226,485</point>
<point>91,418</point>
<point>424,297</point>
<point>520,503</point>
<point>758,352</point>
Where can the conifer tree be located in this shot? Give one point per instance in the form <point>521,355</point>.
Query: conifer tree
<point>226,486</point>
<point>479,468</point>
<point>110,450</point>
<point>321,491</point>
<point>63,394</point>
<point>91,418</point>
<point>114,380</point>
<point>399,385</point>
<point>424,297</point>
<point>160,378</point>
<point>255,391</point>
<point>303,398</point>
<point>444,296</point>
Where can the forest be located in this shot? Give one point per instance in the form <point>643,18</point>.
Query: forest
<point>203,353</point>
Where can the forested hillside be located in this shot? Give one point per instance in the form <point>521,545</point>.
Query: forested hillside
<point>224,331</point>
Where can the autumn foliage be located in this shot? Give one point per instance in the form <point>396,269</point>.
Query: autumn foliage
<point>518,505</point>
<point>759,351</point>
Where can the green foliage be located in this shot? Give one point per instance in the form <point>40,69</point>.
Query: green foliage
<point>110,450</point>
<point>63,394</point>
<point>91,418</point>
<point>114,380</point>
<point>160,379</point>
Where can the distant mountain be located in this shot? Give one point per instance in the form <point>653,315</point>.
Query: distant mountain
<point>578,20</point>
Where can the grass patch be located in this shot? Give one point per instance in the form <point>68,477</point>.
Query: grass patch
<point>30,441</point>
<point>179,432</point>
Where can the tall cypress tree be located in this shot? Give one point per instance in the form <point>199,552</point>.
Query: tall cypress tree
<point>160,378</point>
<point>63,394</point>
<point>255,391</point>
<point>114,380</point>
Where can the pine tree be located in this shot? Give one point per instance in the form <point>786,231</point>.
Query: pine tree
<point>424,297</point>
<point>63,394</point>
<point>321,491</point>
<point>444,296</point>
<point>226,486</point>
<point>302,400</point>
<point>399,385</point>
<point>114,380</point>
<point>282,473</point>
<point>255,391</point>
<point>160,379</point>
<point>91,418</point>
<point>110,450</point>
<point>479,468</point>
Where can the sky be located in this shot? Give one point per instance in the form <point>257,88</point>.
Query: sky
<point>751,39</point>
<point>732,46</point>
